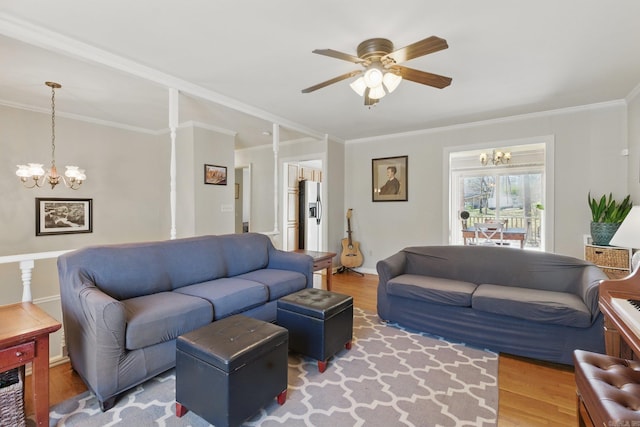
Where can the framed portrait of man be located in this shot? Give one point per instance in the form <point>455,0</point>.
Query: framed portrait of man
<point>389,179</point>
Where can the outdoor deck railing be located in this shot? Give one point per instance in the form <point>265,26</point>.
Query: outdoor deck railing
<point>531,225</point>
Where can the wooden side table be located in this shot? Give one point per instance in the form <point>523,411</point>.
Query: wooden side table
<point>24,338</point>
<point>321,260</point>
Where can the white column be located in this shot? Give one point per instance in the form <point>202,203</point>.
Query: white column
<point>26,267</point>
<point>276,145</point>
<point>173,126</point>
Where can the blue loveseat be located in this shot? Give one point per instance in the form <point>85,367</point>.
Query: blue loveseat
<point>533,304</point>
<point>124,305</point>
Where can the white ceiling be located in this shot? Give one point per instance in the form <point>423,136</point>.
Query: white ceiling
<point>241,64</point>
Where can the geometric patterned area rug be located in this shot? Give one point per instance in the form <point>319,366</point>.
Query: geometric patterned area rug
<point>390,377</point>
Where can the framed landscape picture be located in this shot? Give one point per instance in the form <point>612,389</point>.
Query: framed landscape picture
<point>389,179</point>
<point>215,175</point>
<point>63,216</point>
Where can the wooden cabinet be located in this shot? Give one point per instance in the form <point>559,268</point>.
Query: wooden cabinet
<point>613,260</point>
<point>310,174</point>
<point>24,338</point>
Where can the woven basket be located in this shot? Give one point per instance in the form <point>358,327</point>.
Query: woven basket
<point>12,398</point>
<point>608,256</point>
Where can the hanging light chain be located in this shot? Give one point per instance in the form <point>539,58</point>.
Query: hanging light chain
<point>53,124</point>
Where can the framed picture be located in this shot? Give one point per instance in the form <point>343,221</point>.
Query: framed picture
<point>215,175</point>
<point>63,216</point>
<point>389,179</point>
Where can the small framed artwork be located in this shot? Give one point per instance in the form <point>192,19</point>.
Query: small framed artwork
<point>390,179</point>
<point>215,175</point>
<point>63,216</point>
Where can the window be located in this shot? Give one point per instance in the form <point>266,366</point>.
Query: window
<point>512,193</point>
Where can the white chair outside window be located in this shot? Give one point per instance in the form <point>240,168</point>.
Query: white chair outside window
<point>489,233</point>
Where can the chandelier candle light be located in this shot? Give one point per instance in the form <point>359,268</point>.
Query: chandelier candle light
<point>33,174</point>
<point>498,157</point>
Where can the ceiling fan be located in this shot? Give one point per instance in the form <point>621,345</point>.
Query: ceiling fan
<point>381,73</point>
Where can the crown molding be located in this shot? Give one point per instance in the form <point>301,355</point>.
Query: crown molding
<point>80,118</point>
<point>200,125</point>
<point>508,119</point>
<point>27,32</point>
<point>269,146</point>
<point>633,94</point>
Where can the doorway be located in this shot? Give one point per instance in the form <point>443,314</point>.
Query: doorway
<point>296,172</point>
<point>515,192</point>
<point>242,199</point>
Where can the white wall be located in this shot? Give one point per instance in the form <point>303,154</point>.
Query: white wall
<point>203,208</point>
<point>262,172</point>
<point>214,204</point>
<point>127,178</point>
<point>633,126</point>
<point>334,178</point>
<point>588,144</point>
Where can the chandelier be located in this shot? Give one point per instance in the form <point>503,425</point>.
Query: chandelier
<point>498,157</point>
<point>33,174</point>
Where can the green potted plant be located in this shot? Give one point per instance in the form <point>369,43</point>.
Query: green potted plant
<point>606,216</point>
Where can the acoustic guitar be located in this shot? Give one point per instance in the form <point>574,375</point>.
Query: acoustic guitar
<point>351,256</point>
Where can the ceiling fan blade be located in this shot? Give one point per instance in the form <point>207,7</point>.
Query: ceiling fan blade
<point>332,81</point>
<point>340,55</point>
<point>423,77</point>
<point>414,50</point>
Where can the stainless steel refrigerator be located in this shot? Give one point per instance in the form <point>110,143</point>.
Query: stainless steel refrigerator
<point>309,215</point>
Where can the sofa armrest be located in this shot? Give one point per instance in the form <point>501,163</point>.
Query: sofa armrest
<point>391,267</point>
<point>588,289</point>
<point>97,338</point>
<point>294,261</point>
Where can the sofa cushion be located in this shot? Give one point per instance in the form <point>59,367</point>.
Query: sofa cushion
<point>431,289</point>
<point>246,252</point>
<point>193,260</point>
<point>121,271</point>
<point>229,295</point>
<point>498,265</point>
<point>155,318</point>
<point>558,308</point>
<point>278,282</point>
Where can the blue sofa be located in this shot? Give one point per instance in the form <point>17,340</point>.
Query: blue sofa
<point>533,304</point>
<point>124,305</point>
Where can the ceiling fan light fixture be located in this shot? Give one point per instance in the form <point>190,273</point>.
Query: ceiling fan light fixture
<point>373,77</point>
<point>380,71</point>
<point>391,81</point>
<point>377,92</point>
<point>359,86</point>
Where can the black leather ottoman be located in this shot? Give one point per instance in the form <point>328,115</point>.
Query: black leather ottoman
<point>228,370</point>
<point>320,323</point>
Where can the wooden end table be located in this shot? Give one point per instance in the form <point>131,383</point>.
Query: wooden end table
<point>321,260</point>
<point>24,338</point>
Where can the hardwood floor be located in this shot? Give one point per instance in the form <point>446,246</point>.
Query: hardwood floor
<point>531,393</point>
